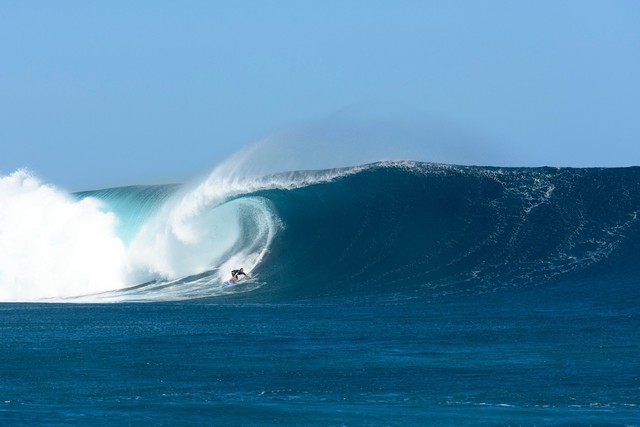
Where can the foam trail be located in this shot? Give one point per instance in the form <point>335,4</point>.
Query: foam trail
<point>52,245</point>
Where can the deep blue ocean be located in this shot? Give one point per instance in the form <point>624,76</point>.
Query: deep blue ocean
<point>388,294</point>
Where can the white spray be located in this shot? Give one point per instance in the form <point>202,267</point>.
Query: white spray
<point>52,245</point>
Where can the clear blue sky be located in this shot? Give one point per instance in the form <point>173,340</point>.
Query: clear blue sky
<point>94,94</point>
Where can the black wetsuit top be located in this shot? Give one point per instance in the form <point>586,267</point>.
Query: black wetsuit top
<point>236,273</point>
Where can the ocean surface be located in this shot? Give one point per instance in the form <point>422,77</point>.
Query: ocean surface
<point>392,293</point>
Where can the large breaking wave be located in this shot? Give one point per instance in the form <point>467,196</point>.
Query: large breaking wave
<point>404,228</point>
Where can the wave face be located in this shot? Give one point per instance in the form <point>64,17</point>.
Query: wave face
<point>414,229</point>
<point>401,229</point>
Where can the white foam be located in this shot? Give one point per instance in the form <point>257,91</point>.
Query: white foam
<point>52,245</point>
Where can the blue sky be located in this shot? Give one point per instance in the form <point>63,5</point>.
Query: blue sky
<point>95,94</point>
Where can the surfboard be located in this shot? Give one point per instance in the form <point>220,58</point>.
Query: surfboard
<point>232,282</point>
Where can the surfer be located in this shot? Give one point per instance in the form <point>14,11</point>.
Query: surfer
<point>235,275</point>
